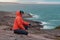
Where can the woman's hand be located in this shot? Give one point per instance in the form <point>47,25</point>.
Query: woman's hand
<point>30,25</point>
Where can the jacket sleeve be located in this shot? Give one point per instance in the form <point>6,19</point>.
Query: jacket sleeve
<point>19,23</point>
<point>25,23</point>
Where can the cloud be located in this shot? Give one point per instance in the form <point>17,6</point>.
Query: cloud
<point>51,0</point>
<point>8,0</point>
<point>34,1</point>
<point>47,2</point>
<point>38,0</point>
<point>29,0</point>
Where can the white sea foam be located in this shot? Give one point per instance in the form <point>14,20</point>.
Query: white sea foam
<point>44,23</point>
<point>34,16</point>
<point>48,27</point>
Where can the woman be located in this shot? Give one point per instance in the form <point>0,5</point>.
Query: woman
<point>20,26</point>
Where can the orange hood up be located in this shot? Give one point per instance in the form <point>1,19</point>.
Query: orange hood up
<point>18,14</point>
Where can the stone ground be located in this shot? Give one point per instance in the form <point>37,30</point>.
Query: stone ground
<point>6,22</point>
<point>34,34</point>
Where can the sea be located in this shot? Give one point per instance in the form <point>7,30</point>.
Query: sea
<point>48,14</point>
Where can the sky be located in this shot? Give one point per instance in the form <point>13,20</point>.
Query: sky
<point>32,1</point>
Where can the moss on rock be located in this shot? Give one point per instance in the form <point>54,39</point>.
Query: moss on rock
<point>58,27</point>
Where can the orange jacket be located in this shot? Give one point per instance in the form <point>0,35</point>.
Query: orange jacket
<point>19,22</point>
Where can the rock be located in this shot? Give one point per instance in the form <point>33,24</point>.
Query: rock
<point>36,34</point>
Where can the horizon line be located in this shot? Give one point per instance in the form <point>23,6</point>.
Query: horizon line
<point>33,2</point>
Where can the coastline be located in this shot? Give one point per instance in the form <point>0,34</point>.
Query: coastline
<point>6,22</point>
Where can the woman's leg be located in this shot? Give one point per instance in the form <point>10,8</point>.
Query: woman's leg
<point>18,31</point>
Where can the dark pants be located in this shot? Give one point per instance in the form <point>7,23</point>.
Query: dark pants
<point>19,31</point>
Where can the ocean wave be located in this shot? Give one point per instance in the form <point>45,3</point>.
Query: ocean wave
<point>44,22</point>
<point>48,27</point>
<point>35,16</point>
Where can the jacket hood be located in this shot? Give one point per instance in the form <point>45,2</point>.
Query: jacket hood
<point>18,14</point>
